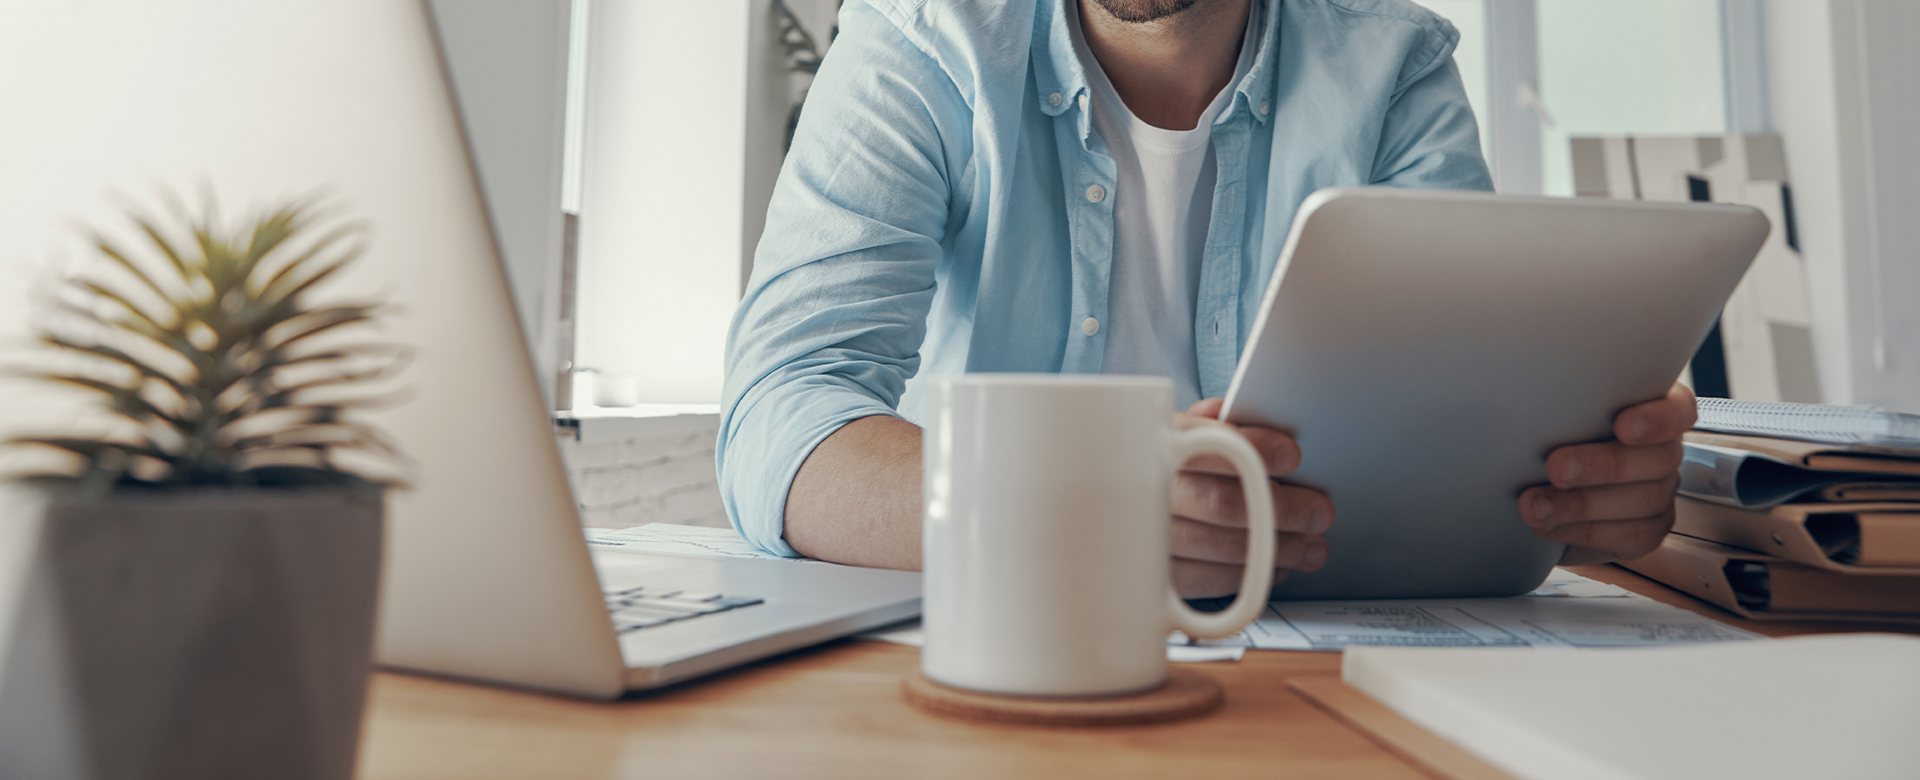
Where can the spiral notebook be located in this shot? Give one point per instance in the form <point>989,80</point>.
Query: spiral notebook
<point>1851,425</point>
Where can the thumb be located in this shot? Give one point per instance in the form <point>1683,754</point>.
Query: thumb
<point>1207,407</point>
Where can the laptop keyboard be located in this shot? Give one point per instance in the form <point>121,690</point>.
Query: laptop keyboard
<point>642,607</point>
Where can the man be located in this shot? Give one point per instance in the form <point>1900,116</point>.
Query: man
<point>1091,186</point>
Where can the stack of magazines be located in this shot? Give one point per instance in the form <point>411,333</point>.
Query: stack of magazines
<point>1797,511</point>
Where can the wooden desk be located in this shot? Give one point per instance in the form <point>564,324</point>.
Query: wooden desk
<point>836,711</point>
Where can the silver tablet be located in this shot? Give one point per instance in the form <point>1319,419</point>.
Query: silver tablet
<point>1428,349</point>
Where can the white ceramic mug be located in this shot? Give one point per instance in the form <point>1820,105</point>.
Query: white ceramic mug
<point>1046,533</point>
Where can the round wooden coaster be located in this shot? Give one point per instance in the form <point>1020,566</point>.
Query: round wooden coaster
<point>1185,694</point>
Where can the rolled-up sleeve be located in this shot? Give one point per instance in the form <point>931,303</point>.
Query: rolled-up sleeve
<point>1430,139</point>
<point>834,314</point>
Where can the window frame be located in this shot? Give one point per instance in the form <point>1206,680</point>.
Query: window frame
<point>1514,112</point>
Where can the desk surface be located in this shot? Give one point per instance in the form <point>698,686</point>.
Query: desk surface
<point>836,711</point>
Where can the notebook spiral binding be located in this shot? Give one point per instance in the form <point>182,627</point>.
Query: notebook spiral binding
<point>1809,422</point>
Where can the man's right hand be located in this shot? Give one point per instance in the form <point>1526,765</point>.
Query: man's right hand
<point>1210,516</point>
<point>856,500</point>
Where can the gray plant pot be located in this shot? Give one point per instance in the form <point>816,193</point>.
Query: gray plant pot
<point>202,634</point>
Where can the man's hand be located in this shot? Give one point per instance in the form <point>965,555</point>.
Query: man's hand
<point>1614,500</point>
<point>1210,516</point>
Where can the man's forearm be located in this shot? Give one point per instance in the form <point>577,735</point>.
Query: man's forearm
<point>856,499</point>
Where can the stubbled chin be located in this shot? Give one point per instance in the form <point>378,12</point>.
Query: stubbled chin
<point>1142,10</point>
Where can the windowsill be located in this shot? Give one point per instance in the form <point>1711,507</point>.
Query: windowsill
<point>609,423</point>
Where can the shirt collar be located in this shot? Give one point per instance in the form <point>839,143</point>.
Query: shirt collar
<point>1062,80</point>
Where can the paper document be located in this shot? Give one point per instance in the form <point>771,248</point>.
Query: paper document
<point>1567,611</point>
<point>670,539</point>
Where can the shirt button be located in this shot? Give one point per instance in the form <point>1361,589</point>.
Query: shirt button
<point>1053,99</point>
<point>1095,194</point>
<point>1083,102</point>
<point>1089,326</point>
<point>1263,106</point>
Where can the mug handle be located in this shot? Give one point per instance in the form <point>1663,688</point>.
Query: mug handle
<point>1258,578</point>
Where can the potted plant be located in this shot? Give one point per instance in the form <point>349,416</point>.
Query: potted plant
<point>200,593</point>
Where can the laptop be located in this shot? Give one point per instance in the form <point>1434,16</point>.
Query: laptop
<point>488,574</point>
<point>1428,349</point>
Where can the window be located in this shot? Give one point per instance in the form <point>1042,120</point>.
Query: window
<point>1626,66</point>
<point>670,208</point>
<point>1539,72</point>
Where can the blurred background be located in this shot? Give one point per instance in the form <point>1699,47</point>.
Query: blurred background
<point>627,149</point>
<point>700,95</point>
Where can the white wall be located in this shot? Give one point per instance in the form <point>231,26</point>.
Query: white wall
<point>661,220</point>
<point>643,470</point>
<point>686,120</point>
<point>1845,91</point>
<point>1800,73</point>
<point>262,100</point>
<point>1888,65</point>
<point>104,103</point>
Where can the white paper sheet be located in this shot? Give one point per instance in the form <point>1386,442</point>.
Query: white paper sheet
<point>670,539</point>
<point>1567,611</point>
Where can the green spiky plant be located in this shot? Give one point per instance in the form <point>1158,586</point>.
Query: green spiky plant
<point>209,354</point>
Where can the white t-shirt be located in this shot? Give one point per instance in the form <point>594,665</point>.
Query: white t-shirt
<point>1162,206</point>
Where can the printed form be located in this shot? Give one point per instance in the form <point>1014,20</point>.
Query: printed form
<point>1567,611</point>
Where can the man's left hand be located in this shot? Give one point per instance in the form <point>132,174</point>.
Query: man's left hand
<point>1614,500</point>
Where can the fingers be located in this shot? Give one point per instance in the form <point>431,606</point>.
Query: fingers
<point>1219,501</point>
<point>1614,500</point>
<point>1197,541</point>
<point>1547,507</point>
<point>1612,463</point>
<point>1624,521</point>
<point>1209,541</point>
<point>1657,421</point>
<point>1617,540</point>
<point>1203,579</point>
<point>1647,445</point>
<point>1208,408</point>
<point>1277,450</point>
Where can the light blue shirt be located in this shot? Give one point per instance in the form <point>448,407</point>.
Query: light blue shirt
<point>943,207</point>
